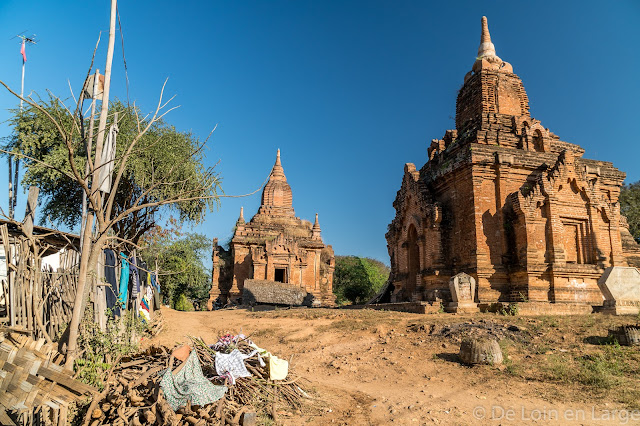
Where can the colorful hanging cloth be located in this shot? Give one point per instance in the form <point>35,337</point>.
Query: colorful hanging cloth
<point>124,281</point>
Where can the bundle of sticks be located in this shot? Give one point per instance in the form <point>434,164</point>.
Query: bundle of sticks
<point>132,393</point>
<point>258,390</point>
<point>156,325</point>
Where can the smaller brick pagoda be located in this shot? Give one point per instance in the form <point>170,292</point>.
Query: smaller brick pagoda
<point>276,246</point>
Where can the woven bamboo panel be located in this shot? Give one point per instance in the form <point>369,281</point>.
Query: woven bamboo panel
<point>33,387</point>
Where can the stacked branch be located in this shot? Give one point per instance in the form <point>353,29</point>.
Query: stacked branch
<point>133,396</point>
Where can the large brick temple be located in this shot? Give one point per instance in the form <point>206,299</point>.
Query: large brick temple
<point>274,246</point>
<point>503,199</point>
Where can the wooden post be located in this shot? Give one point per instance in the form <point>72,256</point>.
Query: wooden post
<point>10,188</point>
<point>30,213</point>
<point>89,145</point>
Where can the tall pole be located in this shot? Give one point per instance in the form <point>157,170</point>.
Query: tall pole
<point>13,200</point>
<point>87,245</point>
<point>87,169</point>
<point>22,85</point>
<point>9,160</point>
<point>16,173</point>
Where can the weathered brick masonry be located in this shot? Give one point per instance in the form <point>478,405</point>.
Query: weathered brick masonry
<point>274,245</point>
<point>505,200</point>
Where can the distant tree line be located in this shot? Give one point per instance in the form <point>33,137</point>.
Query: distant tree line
<point>630,207</point>
<point>357,279</point>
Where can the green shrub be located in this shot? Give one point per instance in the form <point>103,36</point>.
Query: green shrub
<point>100,349</point>
<point>358,279</point>
<point>183,304</point>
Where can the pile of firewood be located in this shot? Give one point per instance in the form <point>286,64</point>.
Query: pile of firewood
<point>156,325</point>
<point>132,393</point>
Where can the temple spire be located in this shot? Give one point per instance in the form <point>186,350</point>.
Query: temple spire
<point>487,58</point>
<point>315,231</point>
<point>276,195</point>
<point>486,49</point>
<point>241,218</point>
<point>277,173</point>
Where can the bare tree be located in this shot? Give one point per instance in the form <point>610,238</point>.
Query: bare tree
<point>102,206</point>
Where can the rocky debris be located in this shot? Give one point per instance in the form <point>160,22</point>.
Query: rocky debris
<point>272,292</point>
<point>474,328</point>
<point>626,335</point>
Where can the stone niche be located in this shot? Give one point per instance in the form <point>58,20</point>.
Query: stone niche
<point>621,289</point>
<point>463,291</point>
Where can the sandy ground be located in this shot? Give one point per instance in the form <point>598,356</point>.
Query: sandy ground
<point>371,368</point>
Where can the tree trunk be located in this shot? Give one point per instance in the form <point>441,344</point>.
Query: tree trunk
<point>88,267</point>
<point>89,256</point>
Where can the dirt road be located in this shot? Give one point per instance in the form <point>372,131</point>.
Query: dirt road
<point>371,367</point>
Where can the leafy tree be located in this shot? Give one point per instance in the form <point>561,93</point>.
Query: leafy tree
<point>630,207</point>
<point>184,276</point>
<point>163,188</point>
<point>162,154</point>
<point>169,187</point>
<point>358,279</point>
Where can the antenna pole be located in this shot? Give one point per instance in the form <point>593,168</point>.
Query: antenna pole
<point>22,85</point>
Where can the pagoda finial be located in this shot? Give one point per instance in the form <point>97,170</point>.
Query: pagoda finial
<point>486,49</point>
<point>241,218</point>
<point>486,37</point>
<point>315,231</point>
<point>277,173</point>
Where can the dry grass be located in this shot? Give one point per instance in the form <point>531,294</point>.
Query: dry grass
<point>569,357</point>
<point>575,352</point>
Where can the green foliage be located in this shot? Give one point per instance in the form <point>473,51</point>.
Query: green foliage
<point>163,154</point>
<point>630,207</point>
<point>357,279</point>
<point>183,304</point>
<point>511,309</point>
<point>180,259</point>
<point>100,349</point>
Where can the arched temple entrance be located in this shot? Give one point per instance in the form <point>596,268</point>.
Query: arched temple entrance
<point>413,257</point>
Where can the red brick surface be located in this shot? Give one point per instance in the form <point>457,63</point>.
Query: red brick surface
<point>275,239</point>
<point>505,200</point>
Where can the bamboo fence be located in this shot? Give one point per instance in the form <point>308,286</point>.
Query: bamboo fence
<point>37,299</point>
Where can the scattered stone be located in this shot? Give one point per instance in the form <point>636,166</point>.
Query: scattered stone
<point>621,288</point>
<point>480,351</point>
<point>626,335</point>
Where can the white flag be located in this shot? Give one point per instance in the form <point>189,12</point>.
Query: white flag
<point>108,157</point>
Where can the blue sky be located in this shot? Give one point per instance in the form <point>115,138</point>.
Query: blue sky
<point>349,91</point>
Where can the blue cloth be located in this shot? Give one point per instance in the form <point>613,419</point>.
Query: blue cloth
<point>154,282</point>
<point>124,281</point>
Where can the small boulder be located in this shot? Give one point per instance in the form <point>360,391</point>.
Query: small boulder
<point>481,350</point>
